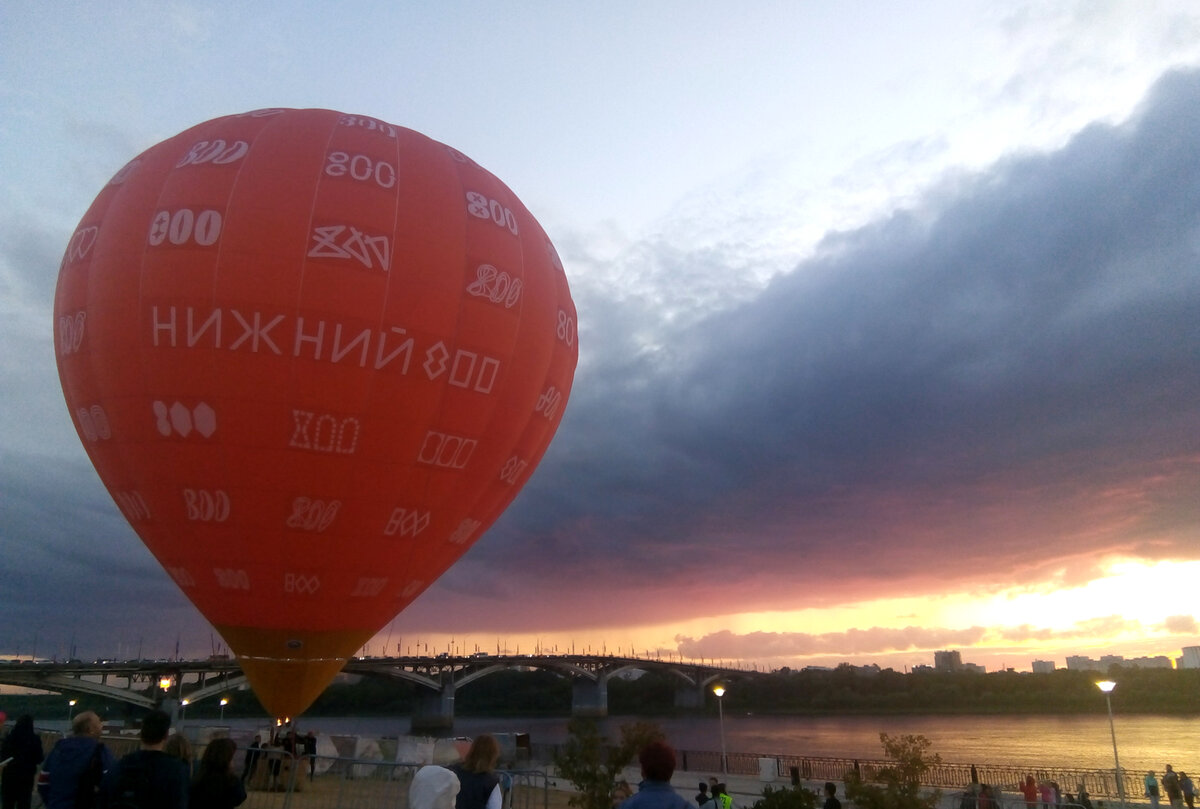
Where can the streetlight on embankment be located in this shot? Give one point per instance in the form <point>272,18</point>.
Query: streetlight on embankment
<point>1107,686</point>
<point>719,690</point>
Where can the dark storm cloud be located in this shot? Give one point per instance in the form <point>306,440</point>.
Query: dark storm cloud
<point>1001,380</point>
<point>74,571</point>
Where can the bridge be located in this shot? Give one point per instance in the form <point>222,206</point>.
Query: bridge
<point>172,684</point>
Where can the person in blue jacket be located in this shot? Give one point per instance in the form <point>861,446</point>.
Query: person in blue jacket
<point>71,774</point>
<point>655,790</point>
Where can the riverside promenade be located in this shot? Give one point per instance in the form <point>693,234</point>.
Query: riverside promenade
<point>747,775</point>
<point>379,780</point>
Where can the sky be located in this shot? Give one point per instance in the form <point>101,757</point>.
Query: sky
<point>889,315</point>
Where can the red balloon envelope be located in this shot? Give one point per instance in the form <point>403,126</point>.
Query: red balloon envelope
<point>313,356</point>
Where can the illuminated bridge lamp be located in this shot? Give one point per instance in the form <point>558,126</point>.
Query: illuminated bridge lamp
<point>1107,687</point>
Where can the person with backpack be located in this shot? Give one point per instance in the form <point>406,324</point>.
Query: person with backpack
<point>71,774</point>
<point>148,778</point>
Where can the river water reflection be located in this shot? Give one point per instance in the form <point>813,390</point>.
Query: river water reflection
<point>1143,742</point>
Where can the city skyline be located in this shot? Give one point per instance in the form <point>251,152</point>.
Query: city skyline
<point>888,323</point>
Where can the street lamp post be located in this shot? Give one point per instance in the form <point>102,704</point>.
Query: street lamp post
<point>1107,686</point>
<point>224,702</point>
<point>719,690</point>
<point>183,703</point>
<point>70,710</point>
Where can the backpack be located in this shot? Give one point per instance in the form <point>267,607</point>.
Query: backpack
<point>131,787</point>
<point>88,788</point>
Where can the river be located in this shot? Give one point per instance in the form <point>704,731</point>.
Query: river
<point>1143,742</point>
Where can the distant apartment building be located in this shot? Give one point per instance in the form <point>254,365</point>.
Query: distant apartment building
<point>1081,663</point>
<point>1190,659</point>
<point>947,661</point>
<point>1156,662</point>
<point>1043,666</point>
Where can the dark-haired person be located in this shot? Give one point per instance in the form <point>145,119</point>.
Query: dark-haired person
<point>479,786</point>
<point>72,772</point>
<point>148,778</point>
<point>22,749</point>
<point>1189,790</point>
<point>216,786</point>
<point>655,791</point>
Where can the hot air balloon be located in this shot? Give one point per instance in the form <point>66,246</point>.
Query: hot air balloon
<point>313,356</point>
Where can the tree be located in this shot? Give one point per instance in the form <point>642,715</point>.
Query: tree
<point>593,765</point>
<point>899,785</point>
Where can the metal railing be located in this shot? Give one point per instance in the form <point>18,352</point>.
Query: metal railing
<point>952,776</point>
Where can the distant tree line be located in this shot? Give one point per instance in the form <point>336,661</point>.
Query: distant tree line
<point>844,690</point>
<point>847,689</point>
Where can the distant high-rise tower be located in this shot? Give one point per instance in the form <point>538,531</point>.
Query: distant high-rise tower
<point>1043,666</point>
<point>1190,659</point>
<point>947,660</point>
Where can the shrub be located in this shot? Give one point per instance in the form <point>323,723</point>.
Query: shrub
<point>794,798</point>
<point>899,785</point>
<point>592,765</point>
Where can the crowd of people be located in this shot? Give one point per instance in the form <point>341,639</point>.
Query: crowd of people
<point>268,764</point>
<point>1176,787</point>
<point>1046,794</point>
<point>80,772</point>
